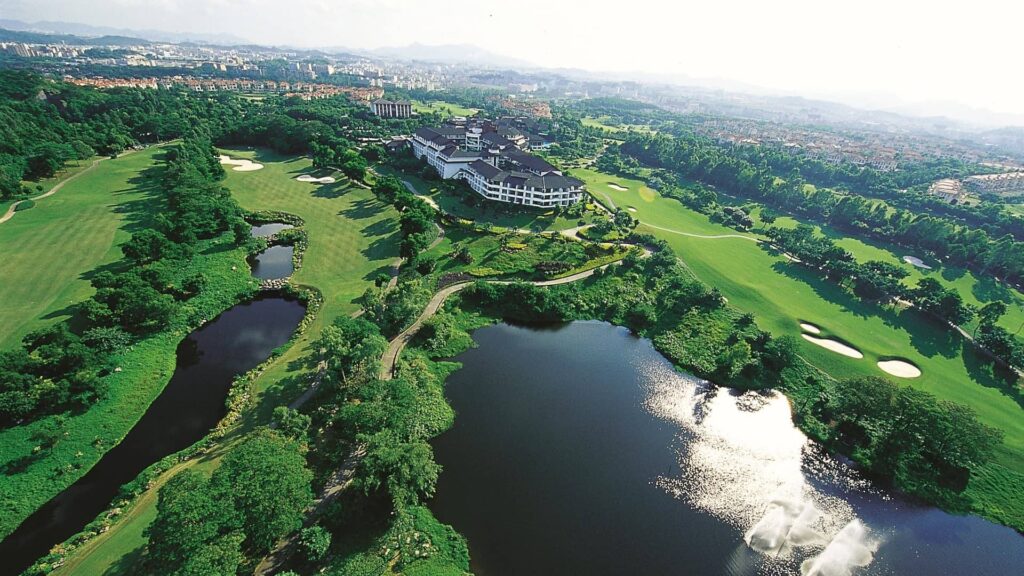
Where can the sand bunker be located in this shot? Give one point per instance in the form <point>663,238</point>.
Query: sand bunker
<point>240,165</point>
<point>308,178</point>
<point>837,347</point>
<point>617,187</point>
<point>899,368</point>
<point>915,261</point>
<point>810,328</point>
<point>631,209</point>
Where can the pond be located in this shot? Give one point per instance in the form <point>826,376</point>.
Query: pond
<point>273,263</point>
<point>269,229</point>
<point>188,408</point>
<point>578,449</point>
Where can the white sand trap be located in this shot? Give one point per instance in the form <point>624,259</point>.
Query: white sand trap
<point>240,165</point>
<point>308,178</point>
<point>837,347</point>
<point>631,209</point>
<point>810,328</point>
<point>617,187</point>
<point>899,368</point>
<point>915,261</point>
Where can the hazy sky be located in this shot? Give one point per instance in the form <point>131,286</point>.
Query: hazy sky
<point>915,51</point>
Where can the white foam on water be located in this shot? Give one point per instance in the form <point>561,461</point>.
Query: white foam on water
<point>851,548</point>
<point>746,463</point>
<point>787,523</point>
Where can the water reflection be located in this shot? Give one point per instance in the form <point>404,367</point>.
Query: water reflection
<point>273,263</point>
<point>581,450</point>
<point>269,229</point>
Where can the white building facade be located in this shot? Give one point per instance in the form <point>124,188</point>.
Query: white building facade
<point>494,168</point>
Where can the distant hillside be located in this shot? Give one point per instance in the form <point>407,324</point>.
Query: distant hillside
<point>74,29</point>
<point>43,38</point>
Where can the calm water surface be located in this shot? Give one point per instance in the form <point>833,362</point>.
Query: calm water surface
<point>273,263</point>
<point>577,449</point>
<point>269,229</point>
<point>190,405</point>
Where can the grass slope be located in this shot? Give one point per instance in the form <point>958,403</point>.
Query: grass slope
<point>443,107</point>
<point>49,249</point>
<point>781,295</point>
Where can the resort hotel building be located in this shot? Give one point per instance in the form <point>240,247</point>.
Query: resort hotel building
<point>495,165</point>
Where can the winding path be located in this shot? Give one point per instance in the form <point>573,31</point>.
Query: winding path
<point>56,188</point>
<point>398,343</point>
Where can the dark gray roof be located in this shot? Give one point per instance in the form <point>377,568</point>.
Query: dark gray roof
<point>426,133</point>
<point>455,152</point>
<point>486,170</point>
<point>530,162</point>
<point>451,131</point>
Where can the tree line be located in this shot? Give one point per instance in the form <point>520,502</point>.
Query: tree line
<point>882,283</point>
<point>696,158</point>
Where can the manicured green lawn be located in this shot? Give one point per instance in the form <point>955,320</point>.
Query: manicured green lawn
<point>443,107</point>
<point>781,295</point>
<point>49,248</point>
<point>974,290</point>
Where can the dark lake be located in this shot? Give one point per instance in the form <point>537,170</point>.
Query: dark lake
<point>190,405</point>
<point>273,263</point>
<point>577,449</point>
<point>269,229</point>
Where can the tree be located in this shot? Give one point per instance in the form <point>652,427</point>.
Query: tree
<point>352,348</point>
<point>50,433</point>
<point>406,471</point>
<point>220,557</point>
<point>292,423</point>
<point>267,481</point>
<point>189,516</point>
<point>315,542</point>
<point>990,313</point>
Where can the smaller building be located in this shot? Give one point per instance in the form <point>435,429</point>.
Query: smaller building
<point>1007,182</point>
<point>392,109</point>
<point>949,189</point>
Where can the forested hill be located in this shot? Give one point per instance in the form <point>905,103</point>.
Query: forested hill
<point>45,123</point>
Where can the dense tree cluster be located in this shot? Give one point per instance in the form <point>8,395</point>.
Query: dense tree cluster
<point>45,124</point>
<point>905,188</point>
<point>417,217</point>
<point>208,526</point>
<point>925,445</point>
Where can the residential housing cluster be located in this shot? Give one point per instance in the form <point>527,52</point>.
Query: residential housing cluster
<point>305,90</point>
<point>493,158</point>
